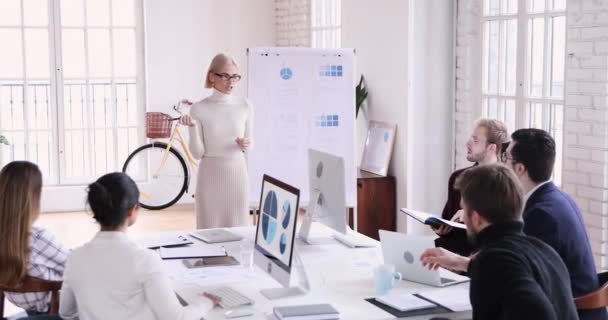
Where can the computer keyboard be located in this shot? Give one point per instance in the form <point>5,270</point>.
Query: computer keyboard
<point>230,298</point>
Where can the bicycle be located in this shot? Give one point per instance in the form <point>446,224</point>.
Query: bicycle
<point>160,170</point>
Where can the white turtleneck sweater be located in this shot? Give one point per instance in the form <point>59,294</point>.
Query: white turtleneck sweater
<point>219,119</point>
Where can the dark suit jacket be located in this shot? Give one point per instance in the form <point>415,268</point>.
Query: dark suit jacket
<point>518,277</point>
<point>553,217</point>
<point>455,240</point>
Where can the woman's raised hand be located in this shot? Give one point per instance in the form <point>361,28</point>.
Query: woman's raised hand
<point>244,143</point>
<point>186,120</point>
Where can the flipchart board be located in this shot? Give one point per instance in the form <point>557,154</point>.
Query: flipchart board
<point>302,98</point>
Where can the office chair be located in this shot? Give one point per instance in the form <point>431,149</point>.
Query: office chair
<point>597,298</point>
<point>30,284</point>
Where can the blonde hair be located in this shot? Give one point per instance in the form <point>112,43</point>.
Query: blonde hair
<point>496,132</point>
<point>20,189</point>
<point>219,61</point>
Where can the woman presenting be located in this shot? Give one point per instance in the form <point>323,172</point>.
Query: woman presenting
<point>220,129</point>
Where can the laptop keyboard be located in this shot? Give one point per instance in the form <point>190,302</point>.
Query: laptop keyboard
<point>446,280</point>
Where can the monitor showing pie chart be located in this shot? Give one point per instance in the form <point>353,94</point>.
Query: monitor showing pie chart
<point>283,243</point>
<point>269,216</point>
<point>286,213</point>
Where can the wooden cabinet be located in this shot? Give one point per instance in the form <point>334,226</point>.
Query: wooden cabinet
<point>376,204</point>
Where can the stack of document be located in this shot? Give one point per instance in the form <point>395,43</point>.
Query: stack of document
<point>403,301</point>
<point>307,312</point>
<point>192,252</point>
<point>165,241</point>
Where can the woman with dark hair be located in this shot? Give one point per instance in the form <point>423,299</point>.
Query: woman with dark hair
<point>111,277</point>
<point>25,249</point>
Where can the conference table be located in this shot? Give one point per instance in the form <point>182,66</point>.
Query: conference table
<point>337,275</point>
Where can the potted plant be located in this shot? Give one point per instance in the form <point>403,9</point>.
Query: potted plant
<point>3,141</point>
<point>360,95</point>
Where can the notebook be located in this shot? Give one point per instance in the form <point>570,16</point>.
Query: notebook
<point>191,252</point>
<point>215,235</point>
<point>432,220</point>
<point>403,301</point>
<point>307,312</point>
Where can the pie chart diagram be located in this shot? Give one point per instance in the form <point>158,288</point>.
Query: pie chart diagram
<point>269,216</point>
<point>286,214</point>
<point>283,243</point>
<point>286,73</point>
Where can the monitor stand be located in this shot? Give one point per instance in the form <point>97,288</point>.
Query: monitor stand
<point>302,288</point>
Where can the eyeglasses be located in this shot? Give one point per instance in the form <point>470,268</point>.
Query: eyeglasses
<point>227,77</point>
<point>504,157</point>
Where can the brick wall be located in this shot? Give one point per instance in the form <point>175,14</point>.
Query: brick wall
<point>586,115</point>
<point>585,172</point>
<point>292,23</point>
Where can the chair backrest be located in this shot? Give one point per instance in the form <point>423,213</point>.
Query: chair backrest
<point>597,298</point>
<point>30,284</point>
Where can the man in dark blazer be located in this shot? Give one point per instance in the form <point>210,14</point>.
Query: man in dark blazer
<point>483,147</point>
<point>513,276</point>
<point>550,214</point>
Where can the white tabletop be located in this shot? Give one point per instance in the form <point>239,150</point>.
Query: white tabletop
<point>337,274</point>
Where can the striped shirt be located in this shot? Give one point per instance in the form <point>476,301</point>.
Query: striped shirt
<point>47,262</point>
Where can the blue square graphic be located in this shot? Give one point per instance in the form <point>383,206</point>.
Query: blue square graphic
<point>333,73</point>
<point>323,124</point>
<point>327,73</point>
<point>335,117</point>
<point>339,68</point>
<point>333,68</point>
<point>335,123</point>
<point>339,73</point>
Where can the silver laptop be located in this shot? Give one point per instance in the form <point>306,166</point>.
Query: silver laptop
<point>215,235</point>
<point>404,251</point>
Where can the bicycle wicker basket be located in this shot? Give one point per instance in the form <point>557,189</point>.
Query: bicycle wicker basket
<point>158,125</point>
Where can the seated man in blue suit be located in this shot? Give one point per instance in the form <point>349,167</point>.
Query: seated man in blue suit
<point>550,214</point>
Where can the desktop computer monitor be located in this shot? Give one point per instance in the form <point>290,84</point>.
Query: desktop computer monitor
<point>275,233</point>
<point>327,202</point>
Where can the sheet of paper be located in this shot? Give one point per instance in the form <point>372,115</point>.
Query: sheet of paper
<point>161,241</point>
<point>192,252</point>
<point>455,298</point>
<point>403,300</point>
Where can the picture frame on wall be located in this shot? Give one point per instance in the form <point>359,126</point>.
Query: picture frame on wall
<point>378,147</point>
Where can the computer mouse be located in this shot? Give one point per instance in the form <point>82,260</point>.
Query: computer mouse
<point>237,313</point>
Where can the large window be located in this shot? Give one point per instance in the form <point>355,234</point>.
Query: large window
<point>523,65</point>
<point>326,23</point>
<point>71,88</point>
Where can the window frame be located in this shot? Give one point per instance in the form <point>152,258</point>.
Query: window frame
<point>57,100</point>
<point>522,98</point>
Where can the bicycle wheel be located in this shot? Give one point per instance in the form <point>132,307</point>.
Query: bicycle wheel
<point>159,187</point>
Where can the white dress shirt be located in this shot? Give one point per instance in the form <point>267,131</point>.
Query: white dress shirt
<point>111,277</point>
<point>531,192</point>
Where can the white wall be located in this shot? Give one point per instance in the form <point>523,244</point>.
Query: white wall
<point>379,35</point>
<point>181,37</point>
<point>431,108</point>
<point>395,42</point>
